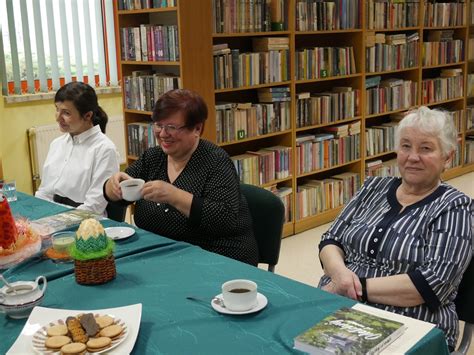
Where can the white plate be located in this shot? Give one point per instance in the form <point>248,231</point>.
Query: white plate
<point>39,338</point>
<point>117,233</point>
<point>261,304</point>
<point>42,316</point>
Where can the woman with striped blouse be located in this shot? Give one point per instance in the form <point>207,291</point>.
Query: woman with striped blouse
<point>402,244</point>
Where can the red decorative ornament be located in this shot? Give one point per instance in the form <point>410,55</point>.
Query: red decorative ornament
<point>8,230</point>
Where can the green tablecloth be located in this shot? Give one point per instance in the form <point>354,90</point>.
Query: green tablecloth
<point>161,276</point>
<point>34,208</point>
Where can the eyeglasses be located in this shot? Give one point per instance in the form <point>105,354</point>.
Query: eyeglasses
<point>169,128</point>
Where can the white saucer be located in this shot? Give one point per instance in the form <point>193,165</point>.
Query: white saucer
<point>117,233</point>
<point>262,302</point>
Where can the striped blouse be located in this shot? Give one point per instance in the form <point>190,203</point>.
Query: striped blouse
<point>431,241</point>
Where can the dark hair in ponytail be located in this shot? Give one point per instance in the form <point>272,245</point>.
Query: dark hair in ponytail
<point>84,98</point>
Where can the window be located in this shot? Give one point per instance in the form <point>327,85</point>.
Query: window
<point>46,43</point>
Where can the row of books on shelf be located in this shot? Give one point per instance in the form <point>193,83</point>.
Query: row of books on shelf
<point>472,14</point>
<point>469,147</point>
<point>469,117</point>
<point>470,47</point>
<point>457,159</point>
<point>230,16</point>
<point>235,121</point>
<point>143,88</point>
<point>285,194</point>
<point>150,43</point>
<point>444,14</point>
<point>326,107</point>
<point>327,149</point>
<point>391,14</point>
<point>316,15</point>
<point>145,4</point>
<point>140,137</point>
<point>380,138</point>
<point>449,85</point>
<point>315,196</point>
<point>382,168</point>
<point>458,117</point>
<point>389,95</point>
<point>233,69</point>
<point>470,85</point>
<point>437,53</point>
<point>264,166</point>
<point>391,52</point>
<point>322,62</point>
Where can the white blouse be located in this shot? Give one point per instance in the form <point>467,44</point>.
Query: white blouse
<point>77,166</point>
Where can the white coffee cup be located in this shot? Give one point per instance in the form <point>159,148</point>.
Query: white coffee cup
<point>132,189</point>
<point>239,295</point>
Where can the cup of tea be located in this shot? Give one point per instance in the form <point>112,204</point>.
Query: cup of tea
<point>132,189</point>
<point>239,295</point>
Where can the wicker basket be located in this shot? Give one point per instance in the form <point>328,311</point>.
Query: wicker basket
<point>95,272</point>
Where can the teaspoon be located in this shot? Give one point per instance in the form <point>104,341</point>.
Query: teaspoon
<point>10,287</point>
<point>217,300</point>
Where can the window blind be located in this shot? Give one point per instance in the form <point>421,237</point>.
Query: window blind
<point>46,43</point>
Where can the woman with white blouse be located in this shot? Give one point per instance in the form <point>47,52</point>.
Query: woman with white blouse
<point>81,160</point>
<point>403,244</point>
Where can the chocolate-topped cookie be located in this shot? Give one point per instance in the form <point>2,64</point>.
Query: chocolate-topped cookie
<point>89,324</point>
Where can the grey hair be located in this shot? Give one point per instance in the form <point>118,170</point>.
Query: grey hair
<point>436,123</point>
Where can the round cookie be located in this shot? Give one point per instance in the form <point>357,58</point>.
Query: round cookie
<point>60,329</point>
<point>111,331</point>
<point>57,341</point>
<point>97,344</point>
<point>73,348</point>
<point>104,321</point>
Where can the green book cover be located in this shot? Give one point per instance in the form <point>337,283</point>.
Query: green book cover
<point>349,331</point>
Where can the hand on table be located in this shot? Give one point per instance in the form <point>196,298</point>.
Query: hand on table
<point>345,283</point>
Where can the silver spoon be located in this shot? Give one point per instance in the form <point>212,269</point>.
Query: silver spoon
<point>10,287</point>
<point>216,300</point>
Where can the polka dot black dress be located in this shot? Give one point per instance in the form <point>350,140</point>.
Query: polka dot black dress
<point>219,221</point>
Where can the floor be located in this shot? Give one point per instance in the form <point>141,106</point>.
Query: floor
<point>299,257</point>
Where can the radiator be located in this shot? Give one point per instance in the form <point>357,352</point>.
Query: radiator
<point>40,137</point>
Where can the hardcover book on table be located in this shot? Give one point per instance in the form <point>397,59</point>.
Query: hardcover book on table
<point>349,331</point>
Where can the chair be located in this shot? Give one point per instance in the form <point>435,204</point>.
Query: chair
<point>268,216</point>
<point>116,211</point>
<point>465,308</point>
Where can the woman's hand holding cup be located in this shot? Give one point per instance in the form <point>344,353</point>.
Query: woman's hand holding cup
<point>158,191</point>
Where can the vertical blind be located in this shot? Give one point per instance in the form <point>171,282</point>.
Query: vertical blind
<point>46,42</point>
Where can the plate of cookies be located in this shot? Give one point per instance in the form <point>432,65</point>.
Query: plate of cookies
<point>120,325</point>
<point>80,334</point>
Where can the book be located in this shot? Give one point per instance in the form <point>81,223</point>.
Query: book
<point>51,224</point>
<point>349,331</point>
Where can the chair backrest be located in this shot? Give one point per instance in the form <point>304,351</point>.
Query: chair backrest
<point>268,216</point>
<point>116,211</point>
<point>464,300</point>
<point>465,308</point>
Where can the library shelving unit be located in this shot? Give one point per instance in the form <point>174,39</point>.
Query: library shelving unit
<point>376,49</point>
<point>454,24</point>
<point>469,122</point>
<point>191,36</point>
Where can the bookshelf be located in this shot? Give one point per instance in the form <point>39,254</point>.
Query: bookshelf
<point>190,36</point>
<point>383,51</point>
<point>469,122</point>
